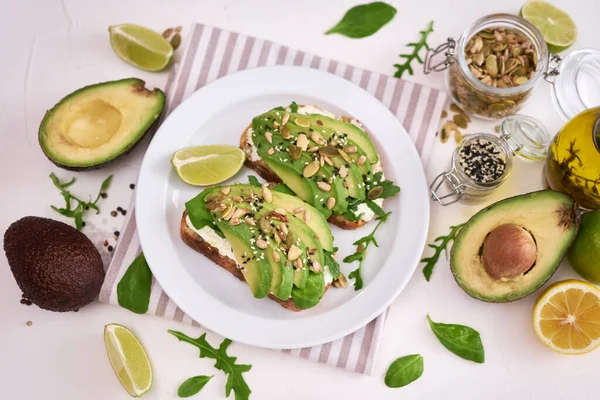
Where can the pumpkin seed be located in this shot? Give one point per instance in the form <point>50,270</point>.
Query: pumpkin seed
<point>460,121</point>
<point>329,151</point>
<point>265,225</point>
<point>276,256</point>
<point>295,152</point>
<point>316,267</point>
<point>176,41</point>
<point>285,132</point>
<point>343,171</point>
<point>311,169</point>
<point>375,192</point>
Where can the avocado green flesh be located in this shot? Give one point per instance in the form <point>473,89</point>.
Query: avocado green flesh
<point>263,274</point>
<point>257,272</point>
<point>291,171</point>
<point>98,123</point>
<point>550,217</point>
<point>316,222</point>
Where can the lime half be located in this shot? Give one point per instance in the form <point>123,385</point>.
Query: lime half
<point>208,165</point>
<point>140,47</point>
<point>584,254</point>
<point>557,27</point>
<point>128,359</point>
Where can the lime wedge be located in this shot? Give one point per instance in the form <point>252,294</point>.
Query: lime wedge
<point>208,165</point>
<point>140,47</point>
<point>557,27</point>
<point>128,359</point>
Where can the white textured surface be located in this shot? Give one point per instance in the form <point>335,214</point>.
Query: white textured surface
<point>51,48</point>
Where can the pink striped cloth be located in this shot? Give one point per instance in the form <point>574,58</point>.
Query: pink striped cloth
<point>211,53</point>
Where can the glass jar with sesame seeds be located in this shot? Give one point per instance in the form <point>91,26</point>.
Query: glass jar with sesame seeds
<point>482,161</point>
<point>492,68</point>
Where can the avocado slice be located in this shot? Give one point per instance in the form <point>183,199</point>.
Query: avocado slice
<point>98,123</point>
<point>316,221</point>
<point>256,270</point>
<point>509,249</point>
<point>282,280</point>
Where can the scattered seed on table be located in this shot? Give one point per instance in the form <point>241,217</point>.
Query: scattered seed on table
<point>124,212</point>
<point>110,248</point>
<point>113,213</point>
<point>105,243</point>
<point>117,233</point>
<point>29,323</point>
<point>444,114</point>
<point>132,186</point>
<point>103,195</point>
<point>119,208</point>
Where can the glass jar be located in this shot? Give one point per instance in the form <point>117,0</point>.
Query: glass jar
<point>483,100</point>
<point>573,164</point>
<point>576,82</point>
<point>520,135</point>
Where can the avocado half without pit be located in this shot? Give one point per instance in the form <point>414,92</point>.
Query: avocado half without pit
<point>96,124</point>
<point>509,249</point>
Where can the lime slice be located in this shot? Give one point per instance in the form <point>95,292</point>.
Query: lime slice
<point>208,165</point>
<point>140,47</point>
<point>128,359</point>
<point>557,27</point>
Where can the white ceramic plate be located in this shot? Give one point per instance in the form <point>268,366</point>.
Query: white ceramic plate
<point>218,113</point>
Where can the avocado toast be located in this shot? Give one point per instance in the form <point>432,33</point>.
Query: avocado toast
<point>329,162</point>
<point>279,245</point>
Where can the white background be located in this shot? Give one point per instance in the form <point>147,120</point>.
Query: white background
<point>50,48</point>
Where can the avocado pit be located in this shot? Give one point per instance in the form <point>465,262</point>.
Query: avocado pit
<point>508,251</point>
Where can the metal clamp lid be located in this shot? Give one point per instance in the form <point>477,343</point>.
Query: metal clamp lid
<point>448,49</point>
<point>455,194</point>
<point>553,70</point>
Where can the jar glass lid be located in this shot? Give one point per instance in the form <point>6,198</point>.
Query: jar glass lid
<point>577,85</point>
<point>526,137</point>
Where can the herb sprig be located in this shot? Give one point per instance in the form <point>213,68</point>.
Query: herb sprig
<point>363,243</point>
<point>81,206</point>
<point>443,246</point>
<point>224,362</point>
<point>409,58</point>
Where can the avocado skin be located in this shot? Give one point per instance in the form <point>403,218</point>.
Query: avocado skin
<point>57,267</point>
<point>134,82</point>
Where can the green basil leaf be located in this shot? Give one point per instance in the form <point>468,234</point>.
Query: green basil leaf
<point>193,385</point>
<point>283,188</point>
<point>133,291</point>
<point>463,341</point>
<point>196,209</point>
<point>404,370</point>
<point>364,20</point>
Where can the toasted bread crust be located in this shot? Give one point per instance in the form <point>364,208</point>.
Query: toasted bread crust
<point>269,175</point>
<point>196,242</point>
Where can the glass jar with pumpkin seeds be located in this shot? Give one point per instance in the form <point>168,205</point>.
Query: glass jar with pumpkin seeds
<point>492,68</point>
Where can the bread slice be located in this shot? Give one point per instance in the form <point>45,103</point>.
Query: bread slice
<point>195,241</point>
<point>261,168</point>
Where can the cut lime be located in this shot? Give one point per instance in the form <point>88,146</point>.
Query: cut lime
<point>208,165</point>
<point>128,359</point>
<point>140,47</point>
<point>557,27</point>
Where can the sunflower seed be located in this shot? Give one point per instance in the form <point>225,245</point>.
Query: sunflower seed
<point>276,256</point>
<point>269,137</point>
<point>361,160</point>
<point>302,141</point>
<point>331,203</point>
<point>266,194</point>
<point>261,244</point>
<point>317,138</point>
<point>324,186</point>
<point>225,190</point>
<point>294,252</point>
<point>285,119</point>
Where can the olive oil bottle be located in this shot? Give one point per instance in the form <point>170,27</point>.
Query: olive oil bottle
<point>573,163</point>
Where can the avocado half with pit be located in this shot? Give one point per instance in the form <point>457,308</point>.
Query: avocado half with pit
<point>98,123</point>
<point>509,249</point>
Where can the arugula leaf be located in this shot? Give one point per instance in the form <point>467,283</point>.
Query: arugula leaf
<point>253,180</point>
<point>364,20</point>
<point>361,251</point>
<point>81,206</point>
<point>422,43</point>
<point>294,107</point>
<point>389,189</point>
<point>350,213</point>
<point>375,208</point>
<point>462,340</point>
<point>134,288</point>
<point>331,262</point>
<point>223,362</point>
<point>193,385</point>
<point>445,240</point>
<point>404,370</point>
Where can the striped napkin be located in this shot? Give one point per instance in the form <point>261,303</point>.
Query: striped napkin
<point>212,53</point>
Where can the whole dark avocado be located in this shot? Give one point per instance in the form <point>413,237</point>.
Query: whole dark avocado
<point>56,266</point>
